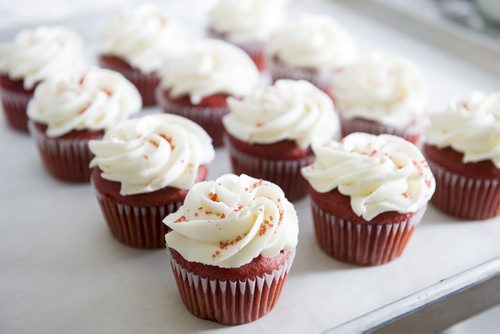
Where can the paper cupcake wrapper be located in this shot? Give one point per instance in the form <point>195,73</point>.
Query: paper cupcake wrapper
<point>209,119</point>
<point>230,302</point>
<point>145,83</point>
<point>65,159</point>
<point>465,197</point>
<point>412,134</point>
<point>362,243</point>
<point>136,226</point>
<point>285,173</point>
<point>280,70</point>
<point>14,106</point>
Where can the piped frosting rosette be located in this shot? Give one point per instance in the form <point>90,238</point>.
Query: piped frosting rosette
<point>152,152</point>
<point>232,220</point>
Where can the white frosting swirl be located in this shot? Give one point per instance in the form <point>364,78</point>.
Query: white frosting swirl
<point>250,20</point>
<point>95,101</point>
<point>143,36</point>
<point>210,67</point>
<point>37,54</point>
<point>386,89</point>
<point>379,173</point>
<point>470,126</point>
<point>232,220</point>
<point>152,152</point>
<point>315,42</point>
<point>293,110</point>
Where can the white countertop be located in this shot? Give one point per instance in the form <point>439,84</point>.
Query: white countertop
<point>61,270</point>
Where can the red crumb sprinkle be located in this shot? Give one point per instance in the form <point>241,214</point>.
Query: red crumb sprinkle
<point>264,227</point>
<point>81,81</point>
<point>256,184</point>
<point>154,143</point>
<point>145,156</point>
<point>221,215</point>
<point>213,197</point>
<point>180,219</point>
<point>216,254</point>
<point>208,212</point>
<point>196,214</point>
<point>405,195</point>
<point>373,152</point>
<point>225,244</point>
<point>281,216</point>
<point>258,125</point>
<point>238,208</point>
<point>169,140</point>
<point>200,208</point>
<point>428,182</point>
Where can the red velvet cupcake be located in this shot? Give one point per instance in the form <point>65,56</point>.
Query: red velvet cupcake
<point>463,150</point>
<point>136,44</point>
<point>368,194</point>
<point>312,48</point>
<point>269,133</point>
<point>34,55</point>
<point>69,110</point>
<point>381,95</point>
<point>246,24</point>
<point>195,83</point>
<point>145,168</point>
<point>231,246</point>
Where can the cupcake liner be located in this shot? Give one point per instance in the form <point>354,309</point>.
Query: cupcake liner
<point>285,173</point>
<point>14,106</point>
<point>465,197</point>
<point>364,244</point>
<point>65,159</point>
<point>136,226</point>
<point>411,133</point>
<point>280,70</point>
<point>145,83</point>
<point>208,118</point>
<point>230,302</point>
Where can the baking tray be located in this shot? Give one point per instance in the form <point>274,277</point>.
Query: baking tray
<point>62,272</point>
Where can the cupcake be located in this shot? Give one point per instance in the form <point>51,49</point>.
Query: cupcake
<point>143,170</point>
<point>381,95</point>
<point>246,24</point>
<point>34,55</point>
<point>231,246</point>
<point>463,150</point>
<point>69,110</point>
<point>136,44</point>
<point>311,49</point>
<point>270,132</point>
<point>368,194</point>
<point>196,83</point>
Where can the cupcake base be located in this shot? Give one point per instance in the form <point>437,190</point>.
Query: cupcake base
<point>208,113</point>
<point>286,173</point>
<point>230,301</point>
<point>15,102</point>
<point>353,240</point>
<point>67,158</point>
<point>410,133</point>
<point>137,220</point>
<point>467,191</point>
<point>145,83</point>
